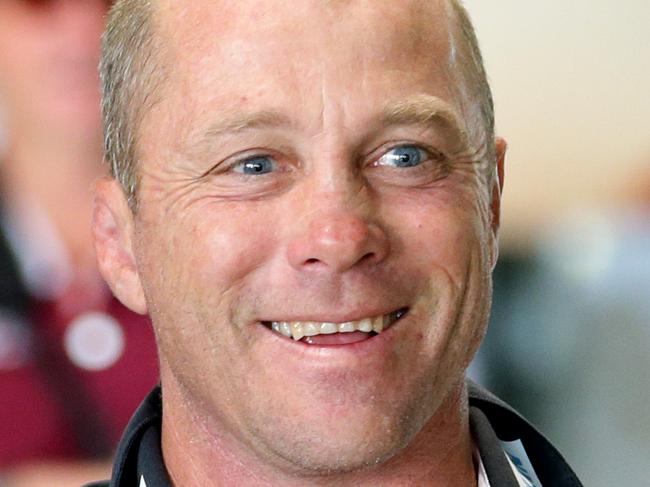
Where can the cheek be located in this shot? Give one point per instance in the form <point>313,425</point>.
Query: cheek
<point>196,271</point>
<point>437,229</point>
<point>213,250</point>
<point>443,236</point>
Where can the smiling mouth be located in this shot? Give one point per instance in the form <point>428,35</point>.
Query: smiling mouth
<point>329,333</point>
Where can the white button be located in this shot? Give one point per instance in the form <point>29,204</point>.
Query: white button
<point>94,341</point>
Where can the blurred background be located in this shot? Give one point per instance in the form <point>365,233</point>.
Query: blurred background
<point>569,341</point>
<point>74,363</point>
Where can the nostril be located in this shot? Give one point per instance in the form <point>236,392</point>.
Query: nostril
<point>365,258</point>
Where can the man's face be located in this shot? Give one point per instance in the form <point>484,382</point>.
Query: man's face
<point>304,165</point>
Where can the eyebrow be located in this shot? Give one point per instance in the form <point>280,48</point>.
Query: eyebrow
<point>425,110</point>
<point>245,121</point>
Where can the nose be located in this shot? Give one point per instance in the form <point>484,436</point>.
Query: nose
<point>336,240</point>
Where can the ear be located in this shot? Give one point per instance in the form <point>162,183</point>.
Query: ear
<point>497,190</point>
<point>112,229</point>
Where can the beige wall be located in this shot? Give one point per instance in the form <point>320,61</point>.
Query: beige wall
<point>571,81</point>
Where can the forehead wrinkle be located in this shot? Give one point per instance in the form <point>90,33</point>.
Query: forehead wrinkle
<point>422,27</point>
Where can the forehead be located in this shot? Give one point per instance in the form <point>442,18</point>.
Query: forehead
<point>205,24</point>
<point>303,54</point>
<point>223,18</point>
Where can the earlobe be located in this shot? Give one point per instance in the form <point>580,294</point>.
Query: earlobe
<point>112,228</point>
<point>497,190</point>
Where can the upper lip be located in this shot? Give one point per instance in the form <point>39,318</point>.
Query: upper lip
<point>336,316</point>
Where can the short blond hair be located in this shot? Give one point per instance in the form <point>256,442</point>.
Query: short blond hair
<point>131,71</point>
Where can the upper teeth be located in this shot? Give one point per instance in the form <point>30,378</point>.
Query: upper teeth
<point>300,329</point>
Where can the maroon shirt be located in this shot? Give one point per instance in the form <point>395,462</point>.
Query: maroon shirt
<point>56,404</point>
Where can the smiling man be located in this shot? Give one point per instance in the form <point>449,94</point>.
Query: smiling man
<point>305,198</point>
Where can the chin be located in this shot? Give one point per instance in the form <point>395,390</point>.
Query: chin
<point>322,457</point>
<point>356,442</point>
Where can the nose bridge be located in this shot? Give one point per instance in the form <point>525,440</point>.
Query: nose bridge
<point>336,230</point>
<point>339,191</point>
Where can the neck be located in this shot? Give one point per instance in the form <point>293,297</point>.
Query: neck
<point>198,452</point>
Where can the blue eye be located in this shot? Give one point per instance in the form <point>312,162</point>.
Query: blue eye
<point>255,165</point>
<point>403,156</point>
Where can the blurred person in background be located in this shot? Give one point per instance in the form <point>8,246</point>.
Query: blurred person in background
<point>74,363</point>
